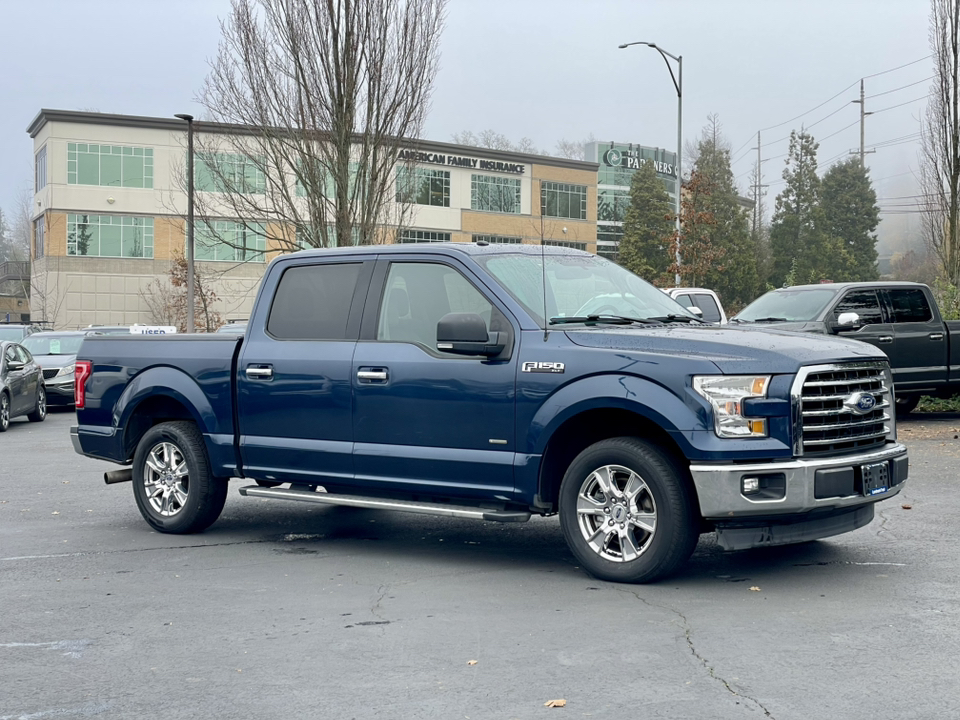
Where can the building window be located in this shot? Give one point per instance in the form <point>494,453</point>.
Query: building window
<point>423,186</point>
<point>563,200</point>
<point>419,236</point>
<point>497,239</point>
<point>229,241</point>
<point>39,228</point>
<point>227,172</point>
<point>566,244</point>
<point>109,236</point>
<point>495,194</point>
<point>40,170</point>
<point>109,165</point>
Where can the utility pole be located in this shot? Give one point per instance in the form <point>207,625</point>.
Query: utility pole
<point>863,114</point>
<point>757,189</point>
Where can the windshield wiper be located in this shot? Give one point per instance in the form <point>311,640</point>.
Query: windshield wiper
<point>678,318</point>
<point>767,319</point>
<point>608,319</point>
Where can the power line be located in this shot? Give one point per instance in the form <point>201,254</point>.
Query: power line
<point>902,87</point>
<point>884,72</point>
<point>903,103</point>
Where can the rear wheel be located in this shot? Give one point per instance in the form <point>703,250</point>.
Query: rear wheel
<point>4,411</point>
<point>172,484</point>
<point>39,413</point>
<point>627,511</point>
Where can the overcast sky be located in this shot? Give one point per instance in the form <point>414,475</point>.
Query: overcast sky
<point>544,69</point>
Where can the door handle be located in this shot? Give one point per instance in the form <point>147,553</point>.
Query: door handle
<point>259,373</point>
<point>372,376</point>
<point>936,336</point>
<point>885,339</point>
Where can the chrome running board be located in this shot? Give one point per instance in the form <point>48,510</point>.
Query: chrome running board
<point>325,498</point>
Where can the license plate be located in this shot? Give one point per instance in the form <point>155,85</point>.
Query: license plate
<point>876,478</point>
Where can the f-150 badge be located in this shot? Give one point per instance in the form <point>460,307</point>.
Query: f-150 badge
<point>543,367</point>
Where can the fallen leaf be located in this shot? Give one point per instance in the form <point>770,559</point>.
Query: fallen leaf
<point>555,703</point>
<point>907,506</point>
<point>755,589</point>
<point>471,662</point>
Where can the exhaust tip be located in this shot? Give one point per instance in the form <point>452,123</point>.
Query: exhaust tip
<point>118,476</point>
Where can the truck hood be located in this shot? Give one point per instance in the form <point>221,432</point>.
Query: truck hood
<point>732,349</point>
<point>813,326</point>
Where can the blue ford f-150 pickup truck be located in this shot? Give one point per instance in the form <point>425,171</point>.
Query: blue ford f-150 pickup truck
<point>485,381</point>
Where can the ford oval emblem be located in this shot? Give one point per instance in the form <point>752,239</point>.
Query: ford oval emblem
<point>860,403</point>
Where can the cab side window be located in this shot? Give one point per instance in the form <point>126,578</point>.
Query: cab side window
<point>417,295</point>
<point>910,306</point>
<point>864,303</point>
<point>706,303</point>
<point>313,302</point>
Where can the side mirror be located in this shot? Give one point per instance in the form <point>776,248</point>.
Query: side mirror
<point>696,311</point>
<point>14,365</point>
<point>847,321</point>
<point>466,334</point>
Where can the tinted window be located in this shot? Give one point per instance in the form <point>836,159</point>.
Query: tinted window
<point>313,302</point>
<point>684,300</point>
<point>864,303</point>
<point>417,295</point>
<point>711,313</point>
<point>22,355</point>
<point>909,306</point>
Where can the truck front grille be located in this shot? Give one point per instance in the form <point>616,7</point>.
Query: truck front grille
<point>827,417</point>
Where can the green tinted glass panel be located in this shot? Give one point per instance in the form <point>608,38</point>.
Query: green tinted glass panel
<point>88,170</point>
<point>132,171</point>
<point>110,240</point>
<point>110,170</point>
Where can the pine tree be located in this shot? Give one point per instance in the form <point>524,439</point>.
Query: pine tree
<point>799,240</point>
<point>850,210</point>
<point>647,227</point>
<point>717,226</point>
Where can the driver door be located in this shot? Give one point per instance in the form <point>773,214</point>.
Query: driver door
<point>873,329</point>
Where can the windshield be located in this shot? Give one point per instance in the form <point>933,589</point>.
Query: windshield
<point>789,305</point>
<point>10,333</point>
<point>53,345</point>
<point>577,286</point>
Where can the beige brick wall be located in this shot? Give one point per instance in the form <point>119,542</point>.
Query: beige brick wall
<point>168,236</point>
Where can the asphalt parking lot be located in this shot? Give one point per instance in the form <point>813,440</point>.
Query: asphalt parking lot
<point>287,611</point>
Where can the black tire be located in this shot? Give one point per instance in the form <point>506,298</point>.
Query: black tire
<point>906,404</point>
<point>4,412</point>
<point>666,497</point>
<point>39,413</point>
<point>172,484</point>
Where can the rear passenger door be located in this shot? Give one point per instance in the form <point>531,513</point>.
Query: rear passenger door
<point>294,387</point>
<point>920,356</point>
<point>426,420</point>
<point>708,306</point>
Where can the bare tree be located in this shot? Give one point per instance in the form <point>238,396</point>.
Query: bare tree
<point>940,148</point>
<point>328,94</point>
<point>494,140</point>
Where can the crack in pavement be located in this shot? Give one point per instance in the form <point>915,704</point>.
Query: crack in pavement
<point>688,636</point>
<point>131,550</point>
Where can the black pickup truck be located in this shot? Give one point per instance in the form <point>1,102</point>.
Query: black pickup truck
<point>900,318</point>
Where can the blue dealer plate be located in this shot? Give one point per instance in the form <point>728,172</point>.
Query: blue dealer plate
<point>876,478</point>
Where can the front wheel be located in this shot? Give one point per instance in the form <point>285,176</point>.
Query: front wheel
<point>172,484</point>
<point>39,413</point>
<point>627,511</point>
<point>4,412</point>
<point>906,404</point>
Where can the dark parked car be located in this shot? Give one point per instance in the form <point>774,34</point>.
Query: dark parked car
<point>901,318</point>
<point>56,353</point>
<point>16,331</point>
<point>21,385</point>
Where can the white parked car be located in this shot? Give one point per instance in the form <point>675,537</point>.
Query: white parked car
<point>706,301</point>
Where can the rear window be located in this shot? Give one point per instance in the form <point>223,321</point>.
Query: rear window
<point>313,302</point>
<point>910,306</point>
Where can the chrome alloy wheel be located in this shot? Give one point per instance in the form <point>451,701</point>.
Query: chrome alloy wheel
<point>616,513</point>
<point>4,411</point>
<point>42,403</point>
<point>166,479</point>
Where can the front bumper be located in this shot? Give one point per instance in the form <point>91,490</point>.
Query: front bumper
<point>59,393</point>
<point>822,484</point>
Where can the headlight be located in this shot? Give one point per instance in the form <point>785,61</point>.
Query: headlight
<point>67,370</point>
<point>726,394</point>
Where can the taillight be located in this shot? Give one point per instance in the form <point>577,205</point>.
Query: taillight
<point>83,371</point>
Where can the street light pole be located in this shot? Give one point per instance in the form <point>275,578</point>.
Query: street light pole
<point>190,281</point>
<point>678,85</point>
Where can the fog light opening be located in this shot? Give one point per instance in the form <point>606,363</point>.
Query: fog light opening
<point>750,485</point>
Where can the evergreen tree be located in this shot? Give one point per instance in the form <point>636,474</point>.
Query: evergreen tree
<point>799,240</point>
<point>5,245</point>
<point>647,227</point>
<point>850,210</point>
<point>716,227</point>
